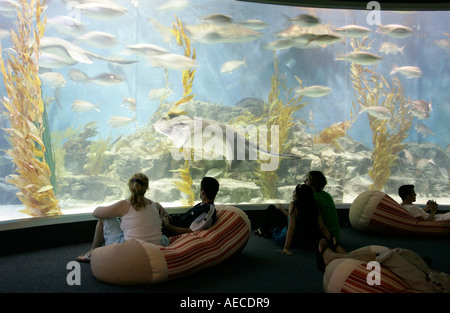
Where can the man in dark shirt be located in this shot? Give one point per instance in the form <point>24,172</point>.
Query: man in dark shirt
<point>201,216</point>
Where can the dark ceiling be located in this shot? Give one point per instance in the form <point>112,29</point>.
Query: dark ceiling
<point>396,5</point>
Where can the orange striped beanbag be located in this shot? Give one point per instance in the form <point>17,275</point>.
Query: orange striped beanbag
<point>138,262</point>
<point>378,212</point>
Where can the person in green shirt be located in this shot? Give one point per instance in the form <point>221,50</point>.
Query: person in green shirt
<point>317,181</point>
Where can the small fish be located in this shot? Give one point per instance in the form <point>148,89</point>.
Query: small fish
<point>396,31</point>
<point>331,134</point>
<point>130,103</point>
<point>290,64</point>
<point>323,40</point>
<point>424,163</point>
<point>378,112</point>
<point>443,44</point>
<point>98,39</point>
<point>80,106</point>
<point>173,5</point>
<point>173,61</point>
<point>409,157</point>
<point>120,121</point>
<point>107,79</point>
<point>305,20</point>
<point>231,66</point>
<point>313,91</point>
<point>51,60</point>
<point>54,80</point>
<point>218,19</point>
<point>101,11</point>
<point>159,94</point>
<point>423,130</point>
<point>388,47</point>
<point>353,31</point>
<point>66,25</point>
<point>215,172</point>
<point>77,76</point>
<point>408,71</point>
<point>361,57</point>
<point>281,44</point>
<point>163,30</point>
<point>146,49</point>
<point>255,24</point>
<point>420,108</point>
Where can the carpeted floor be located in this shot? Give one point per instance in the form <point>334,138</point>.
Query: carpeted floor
<point>260,268</point>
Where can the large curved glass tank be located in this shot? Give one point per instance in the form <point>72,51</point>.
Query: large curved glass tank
<point>254,95</point>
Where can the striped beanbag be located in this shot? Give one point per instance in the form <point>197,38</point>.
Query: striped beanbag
<point>138,262</point>
<point>378,212</point>
<point>351,276</point>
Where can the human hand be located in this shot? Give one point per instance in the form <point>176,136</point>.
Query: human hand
<point>287,252</point>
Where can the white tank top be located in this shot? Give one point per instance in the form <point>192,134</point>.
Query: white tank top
<point>144,224</point>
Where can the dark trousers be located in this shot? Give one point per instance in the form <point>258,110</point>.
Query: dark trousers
<point>273,218</point>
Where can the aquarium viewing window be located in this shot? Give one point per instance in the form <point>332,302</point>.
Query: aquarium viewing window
<point>255,95</point>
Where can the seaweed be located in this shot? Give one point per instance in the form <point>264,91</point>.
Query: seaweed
<point>185,185</point>
<point>278,112</point>
<point>372,89</point>
<point>96,156</point>
<point>187,75</point>
<point>25,109</point>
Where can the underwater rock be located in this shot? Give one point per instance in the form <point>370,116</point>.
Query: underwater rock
<point>357,185</point>
<point>211,111</point>
<point>253,105</point>
<point>164,190</point>
<point>91,188</point>
<point>235,191</point>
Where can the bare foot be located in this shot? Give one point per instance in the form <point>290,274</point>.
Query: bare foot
<point>85,258</point>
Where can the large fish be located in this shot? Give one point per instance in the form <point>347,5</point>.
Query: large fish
<point>354,31</point>
<point>185,131</point>
<point>173,61</point>
<point>52,79</point>
<point>408,71</point>
<point>59,51</point>
<point>396,31</point>
<point>107,79</point>
<point>376,111</point>
<point>210,33</point>
<point>83,106</point>
<point>102,11</point>
<point>98,39</point>
<point>231,66</point>
<point>66,25</point>
<point>361,58</point>
<point>313,91</point>
<point>305,20</point>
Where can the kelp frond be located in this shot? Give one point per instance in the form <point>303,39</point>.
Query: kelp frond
<point>279,111</point>
<point>25,109</point>
<point>185,184</point>
<point>372,89</point>
<point>187,75</point>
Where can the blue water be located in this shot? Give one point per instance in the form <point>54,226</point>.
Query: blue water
<point>314,66</point>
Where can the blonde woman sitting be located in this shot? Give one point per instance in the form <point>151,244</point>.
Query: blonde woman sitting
<point>136,217</point>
